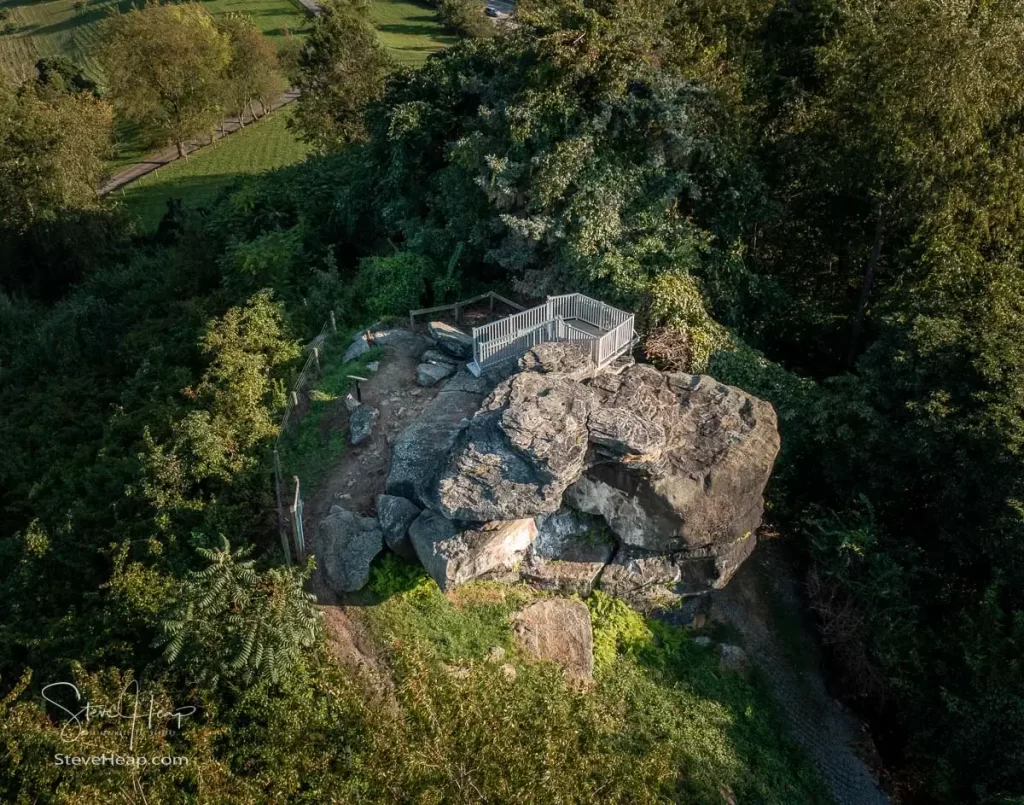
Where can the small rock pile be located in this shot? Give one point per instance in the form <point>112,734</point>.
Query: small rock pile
<point>647,485</point>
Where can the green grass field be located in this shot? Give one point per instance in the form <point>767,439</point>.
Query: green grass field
<point>409,30</point>
<point>55,28</point>
<point>258,147</point>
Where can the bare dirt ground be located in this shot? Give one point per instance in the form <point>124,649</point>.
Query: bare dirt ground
<point>356,480</point>
<point>764,603</point>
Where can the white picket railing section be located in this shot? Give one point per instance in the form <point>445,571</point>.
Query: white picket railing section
<point>510,337</point>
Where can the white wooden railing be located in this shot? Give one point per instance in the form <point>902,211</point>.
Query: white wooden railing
<point>510,337</point>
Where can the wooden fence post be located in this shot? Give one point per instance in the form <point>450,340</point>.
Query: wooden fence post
<point>316,360</point>
<point>334,324</point>
<point>295,399</point>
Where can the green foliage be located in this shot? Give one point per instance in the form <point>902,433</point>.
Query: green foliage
<point>617,629</point>
<point>229,618</point>
<point>164,66</point>
<point>52,145</point>
<point>341,68</point>
<point>466,17</point>
<point>391,576</point>
<point>463,625</point>
<point>393,284</point>
<point>313,444</point>
<point>676,301</point>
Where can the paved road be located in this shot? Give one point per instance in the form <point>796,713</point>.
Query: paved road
<point>170,154</point>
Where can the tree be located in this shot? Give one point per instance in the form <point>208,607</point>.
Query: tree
<point>165,69</point>
<point>341,68</point>
<point>52,151</point>
<point>62,75</point>
<point>233,620</point>
<point>53,146</point>
<point>253,72</point>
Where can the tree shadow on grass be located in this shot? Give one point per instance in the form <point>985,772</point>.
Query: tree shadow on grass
<point>426,29</point>
<point>149,201</point>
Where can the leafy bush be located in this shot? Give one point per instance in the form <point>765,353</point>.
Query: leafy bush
<point>393,284</point>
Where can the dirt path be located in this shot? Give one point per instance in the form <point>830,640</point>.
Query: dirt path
<point>357,479</point>
<point>763,602</point>
<point>170,154</point>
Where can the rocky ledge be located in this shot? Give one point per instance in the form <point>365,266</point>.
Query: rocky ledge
<point>645,484</point>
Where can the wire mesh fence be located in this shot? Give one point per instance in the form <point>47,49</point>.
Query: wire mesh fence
<point>290,519</point>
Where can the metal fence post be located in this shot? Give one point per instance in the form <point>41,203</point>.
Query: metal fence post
<point>334,324</point>
<point>280,513</point>
<point>300,539</point>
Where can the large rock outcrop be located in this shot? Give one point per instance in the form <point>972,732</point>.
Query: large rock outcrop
<point>700,483</point>
<point>674,464</point>
<point>569,553</point>
<point>521,450</point>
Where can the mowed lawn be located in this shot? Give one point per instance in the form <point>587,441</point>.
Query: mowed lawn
<point>409,30</point>
<point>258,147</point>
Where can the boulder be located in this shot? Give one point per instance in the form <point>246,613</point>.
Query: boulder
<point>525,445</point>
<point>372,367</point>
<point>360,423</point>
<point>356,349</point>
<point>436,356</point>
<point>345,544</point>
<point>569,553</point>
<point>351,403</point>
<point>732,658</point>
<point>558,630</point>
<point>454,553</point>
<point>563,357</point>
<point>451,339</point>
<point>693,475</point>
<point>422,447</point>
<point>396,515</point>
<point>430,374</point>
<point>648,580</point>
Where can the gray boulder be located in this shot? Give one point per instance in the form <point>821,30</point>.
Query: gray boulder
<point>522,449</point>
<point>649,580</point>
<point>356,349</point>
<point>451,339</point>
<point>569,553</point>
<point>732,658</point>
<point>345,545</point>
<point>692,476</point>
<point>558,630</point>
<point>396,515</point>
<point>625,433</point>
<point>360,423</point>
<point>454,553</point>
<point>422,448</point>
<point>436,356</point>
<point>430,374</point>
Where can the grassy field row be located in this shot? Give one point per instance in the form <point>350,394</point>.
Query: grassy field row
<point>407,28</point>
<point>259,147</point>
<point>57,28</point>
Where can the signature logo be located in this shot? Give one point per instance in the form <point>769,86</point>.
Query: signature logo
<point>132,705</point>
